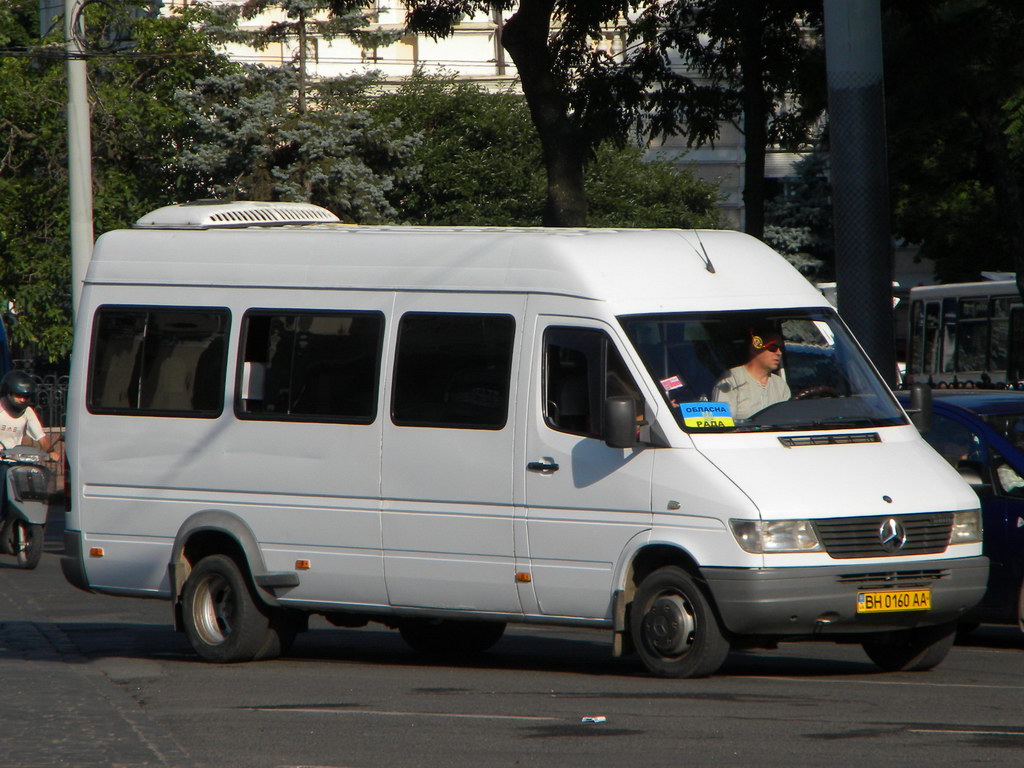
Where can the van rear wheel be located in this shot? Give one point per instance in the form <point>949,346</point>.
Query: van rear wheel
<point>224,621</point>
<point>674,629</point>
<point>447,636</point>
<point>911,650</point>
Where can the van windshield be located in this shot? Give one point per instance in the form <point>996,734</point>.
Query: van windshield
<point>777,370</point>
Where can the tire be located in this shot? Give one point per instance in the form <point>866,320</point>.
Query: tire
<point>965,629</point>
<point>1020,608</point>
<point>284,627</point>
<point>449,637</point>
<point>674,628</point>
<point>911,650</point>
<point>224,621</point>
<point>25,542</point>
<point>5,536</point>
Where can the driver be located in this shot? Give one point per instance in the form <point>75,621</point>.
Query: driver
<point>756,384</point>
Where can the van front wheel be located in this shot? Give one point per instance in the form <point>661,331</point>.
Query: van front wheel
<point>675,631</point>
<point>224,621</point>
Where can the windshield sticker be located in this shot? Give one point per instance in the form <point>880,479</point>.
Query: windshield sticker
<point>707,415</point>
<point>672,382</point>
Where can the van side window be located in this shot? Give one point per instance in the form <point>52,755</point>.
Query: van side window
<point>158,361</point>
<point>310,366</point>
<point>581,368</point>
<point>453,370</point>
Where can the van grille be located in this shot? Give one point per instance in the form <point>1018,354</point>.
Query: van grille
<point>848,537</point>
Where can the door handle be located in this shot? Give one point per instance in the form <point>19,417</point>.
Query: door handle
<point>544,467</point>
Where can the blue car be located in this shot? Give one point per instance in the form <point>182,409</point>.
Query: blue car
<point>981,433</point>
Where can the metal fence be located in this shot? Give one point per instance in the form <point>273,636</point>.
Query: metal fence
<point>52,400</point>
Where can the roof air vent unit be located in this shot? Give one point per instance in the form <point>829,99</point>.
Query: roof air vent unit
<point>216,214</point>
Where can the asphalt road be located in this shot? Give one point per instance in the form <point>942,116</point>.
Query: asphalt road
<point>90,680</point>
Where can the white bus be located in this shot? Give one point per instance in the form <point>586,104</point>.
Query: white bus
<point>448,429</point>
<point>967,335</point>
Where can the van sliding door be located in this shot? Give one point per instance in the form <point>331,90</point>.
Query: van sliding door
<point>448,450</point>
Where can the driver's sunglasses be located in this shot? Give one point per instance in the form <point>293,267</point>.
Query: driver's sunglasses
<point>774,346</point>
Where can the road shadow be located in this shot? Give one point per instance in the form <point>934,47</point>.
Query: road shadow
<point>993,636</point>
<point>83,642</point>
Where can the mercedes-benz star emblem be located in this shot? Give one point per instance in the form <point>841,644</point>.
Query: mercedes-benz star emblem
<point>892,535</point>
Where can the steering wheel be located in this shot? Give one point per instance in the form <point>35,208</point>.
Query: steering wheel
<point>819,390</point>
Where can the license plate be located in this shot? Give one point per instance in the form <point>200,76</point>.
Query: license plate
<point>901,600</point>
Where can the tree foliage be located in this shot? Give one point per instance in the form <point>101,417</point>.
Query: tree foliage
<point>249,142</point>
<point>573,106</point>
<point>954,94</point>
<point>136,135</point>
<point>480,163</point>
<point>799,223</point>
<point>757,64</point>
<point>174,120</point>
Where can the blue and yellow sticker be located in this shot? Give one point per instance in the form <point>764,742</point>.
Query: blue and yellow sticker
<point>706,415</point>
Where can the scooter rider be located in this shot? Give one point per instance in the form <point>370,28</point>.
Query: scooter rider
<point>18,419</point>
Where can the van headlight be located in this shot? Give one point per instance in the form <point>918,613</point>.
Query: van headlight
<point>767,536</point>
<point>966,527</point>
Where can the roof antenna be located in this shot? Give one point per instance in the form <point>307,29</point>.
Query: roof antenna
<point>703,253</point>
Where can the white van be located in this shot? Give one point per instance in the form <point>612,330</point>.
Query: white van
<point>273,415</point>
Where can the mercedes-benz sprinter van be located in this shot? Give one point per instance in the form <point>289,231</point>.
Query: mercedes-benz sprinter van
<point>669,434</point>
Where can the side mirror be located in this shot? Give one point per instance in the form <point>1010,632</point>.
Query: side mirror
<point>620,424</point>
<point>920,410</point>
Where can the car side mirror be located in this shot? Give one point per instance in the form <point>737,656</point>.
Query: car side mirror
<point>920,410</point>
<point>619,423</point>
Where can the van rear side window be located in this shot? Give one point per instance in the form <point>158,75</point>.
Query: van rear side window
<point>453,370</point>
<point>310,366</point>
<point>158,361</point>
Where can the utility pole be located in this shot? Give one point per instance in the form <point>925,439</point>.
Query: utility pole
<point>860,182</point>
<point>79,150</point>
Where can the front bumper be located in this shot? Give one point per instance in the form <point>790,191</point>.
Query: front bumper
<point>823,600</point>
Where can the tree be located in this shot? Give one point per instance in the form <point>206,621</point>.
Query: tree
<point>303,20</point>
<point>758,65</point>
<point>480,163</point>
<point>572,105</point>
<point>799,223</point>
<point>956,134</point>
<point>250,143</point>
<point>136,133</point>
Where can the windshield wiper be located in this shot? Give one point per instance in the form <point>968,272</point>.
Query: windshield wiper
<point>851,423</point>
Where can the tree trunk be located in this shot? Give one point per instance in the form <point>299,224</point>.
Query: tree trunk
<point>526,38</point>
<point>755,118</point>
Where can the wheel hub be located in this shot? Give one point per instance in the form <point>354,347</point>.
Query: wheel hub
<point>669,626</point>
<point>213,611</point>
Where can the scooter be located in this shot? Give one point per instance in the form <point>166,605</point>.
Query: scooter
<point>23,522</point>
